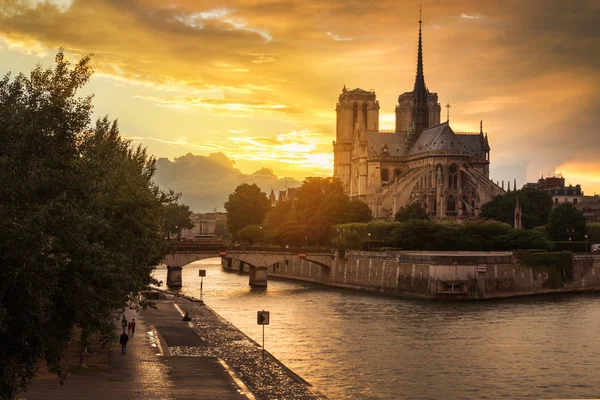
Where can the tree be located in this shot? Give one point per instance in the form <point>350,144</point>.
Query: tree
<point>412,211</point>
<point>310,195</point>
<point>278,215</point>
<point>357,211</point>
<point>80,221</point>
<point>176,217</point>
<point>333,210</point>
<point>566,222</point>
<point>536,205</point>
<point>247,205</point>
<point>251,234</point>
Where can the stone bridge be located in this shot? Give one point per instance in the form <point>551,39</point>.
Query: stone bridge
<point>256,261</point>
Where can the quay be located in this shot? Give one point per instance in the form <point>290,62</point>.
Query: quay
<point>437,275</point>
<point>169,359</point>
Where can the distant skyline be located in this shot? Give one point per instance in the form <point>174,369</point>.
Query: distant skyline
<point>259,80</point>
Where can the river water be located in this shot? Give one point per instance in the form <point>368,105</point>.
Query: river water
<point>354,345</point>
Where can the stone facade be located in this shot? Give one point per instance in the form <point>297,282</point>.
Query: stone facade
<point>421,161</point>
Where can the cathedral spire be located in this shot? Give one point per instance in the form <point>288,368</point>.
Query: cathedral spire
<point>420,78</point>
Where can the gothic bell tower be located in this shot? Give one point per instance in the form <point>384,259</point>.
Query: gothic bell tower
<point>355,109</point>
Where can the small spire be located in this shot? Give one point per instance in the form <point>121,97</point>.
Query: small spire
<point>481,127</point>
<point>448,112</point>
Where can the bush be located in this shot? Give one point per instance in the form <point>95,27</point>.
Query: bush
<point>423,235</point>
<point>381,230</point>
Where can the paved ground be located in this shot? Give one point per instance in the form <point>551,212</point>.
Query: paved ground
<point>147,371</point>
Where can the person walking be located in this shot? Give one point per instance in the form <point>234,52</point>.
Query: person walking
<point>124,323</point>
<point>129,328</point>
<point>123,340</point>
<point>132,326</point>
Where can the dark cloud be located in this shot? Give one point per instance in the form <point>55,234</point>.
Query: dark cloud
<point>205,182</point>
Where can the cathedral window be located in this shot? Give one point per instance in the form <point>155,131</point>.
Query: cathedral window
<point>365,115</point>
<point>385,175</point>
<point>397,172</point>
<point>354,115</point>
<point>451,204</point>
<point>453,177</point>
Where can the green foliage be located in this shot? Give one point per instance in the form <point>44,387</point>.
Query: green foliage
<point>247,205</point>
<point>312,193</point>
<point>565,222</point>
<point>593,232</point>
<point>536,205</point>
<point>278,215</point>
<point>80,220</point>
<point>176,217</point>
<point>412,211</point>
<point>381,230</point>
<point>357,211</point>
<point>424,235</point>
<point>251,234</point>
<point>556,267</point>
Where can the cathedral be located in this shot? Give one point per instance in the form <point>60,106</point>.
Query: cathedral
<point>422,160</point>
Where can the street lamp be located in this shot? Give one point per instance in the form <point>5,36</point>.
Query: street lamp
<point>570,231</point>
<point>585,248</point>
<point>305,239</point>
<point>369,234</point>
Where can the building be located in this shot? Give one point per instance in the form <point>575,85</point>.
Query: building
<point>560,193</point>
<point>422,160</point>
<point>204,225</point>
<point>591,208</point>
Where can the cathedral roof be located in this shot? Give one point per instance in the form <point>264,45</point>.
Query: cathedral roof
<point>473,143</point>
<point>393,141</point>
<point>440,138</point>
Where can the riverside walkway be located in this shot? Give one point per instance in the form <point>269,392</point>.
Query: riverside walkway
<point>148,370</point>
<point>167,358</point>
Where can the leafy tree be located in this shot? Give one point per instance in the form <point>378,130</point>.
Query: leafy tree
<point>176,217</point>
<point>593,231</point>
<point>566,221</point>
<point>332,210</point>
<point>412,211</point>
<point>310,195</point>
<point>247,205</point>
<point>536,205</point>
<point>80,221</point>
<point>251,234</point>
<point>278,215</point>
<point>221,230</point>
<point>357,211</point>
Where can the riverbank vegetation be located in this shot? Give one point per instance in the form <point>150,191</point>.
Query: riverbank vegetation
<point>81,221</point>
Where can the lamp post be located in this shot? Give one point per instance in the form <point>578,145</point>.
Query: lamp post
<point>570,231</point>
<point>585,248</point>
<point>369,234</point>
<point>305,240</point>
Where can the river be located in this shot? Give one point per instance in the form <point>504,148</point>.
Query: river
<point>355,345</point>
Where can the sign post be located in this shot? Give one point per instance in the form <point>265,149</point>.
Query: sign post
<point>262,318</point>
<point>201,274</point>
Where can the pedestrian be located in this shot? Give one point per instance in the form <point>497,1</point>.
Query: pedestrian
<point>132,326</point>
<point>124,323</point>
<point>123,340</point>
<point>129,328</point>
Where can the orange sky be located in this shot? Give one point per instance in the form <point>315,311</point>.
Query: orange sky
<point>258,79</point>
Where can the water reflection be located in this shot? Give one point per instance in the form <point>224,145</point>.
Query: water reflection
<point>353,345</point>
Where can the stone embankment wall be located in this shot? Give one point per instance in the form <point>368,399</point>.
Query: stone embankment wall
<point>443,276</point>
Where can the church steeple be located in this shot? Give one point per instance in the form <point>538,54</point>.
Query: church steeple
<point>420,109</point>
<point>420,87</point>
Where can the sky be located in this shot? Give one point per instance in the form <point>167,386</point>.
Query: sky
<point>255,82</point>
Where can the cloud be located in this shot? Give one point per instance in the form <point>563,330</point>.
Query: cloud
<point>529,69</point>
<point>206,181</point>
<point>466,16</point>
